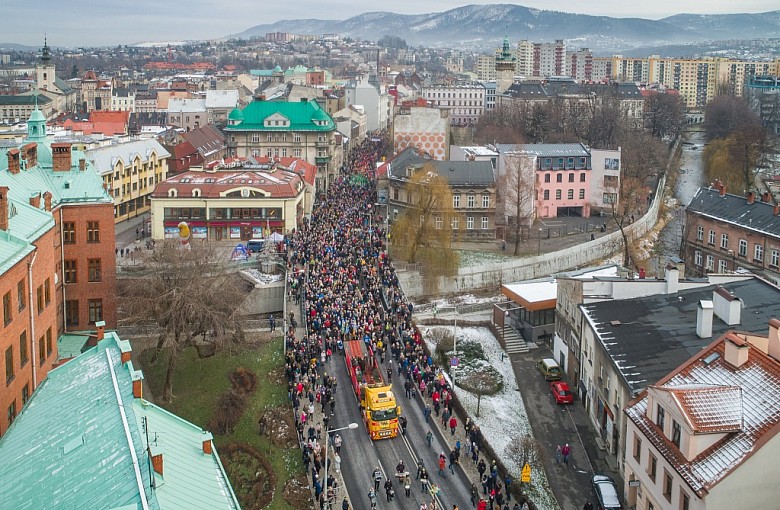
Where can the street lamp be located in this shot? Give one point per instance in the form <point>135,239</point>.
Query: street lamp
<point>352,425</point>
<point>539,244</point>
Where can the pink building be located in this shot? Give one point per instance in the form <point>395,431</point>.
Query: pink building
<point>563,179</point>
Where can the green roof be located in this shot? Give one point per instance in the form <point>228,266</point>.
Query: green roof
<point>23,100</point>
<point>70,345</point>
<point>235,114</point>
<point>302,116</point>
<point>80,442</point>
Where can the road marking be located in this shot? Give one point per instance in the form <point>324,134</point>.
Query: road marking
<point>416,461</point>
<point>579,437</point>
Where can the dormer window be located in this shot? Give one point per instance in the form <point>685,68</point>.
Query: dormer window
<point>196,192</point>
<point>676,433</point>
<point>172,193</point>
<point>660,417</point>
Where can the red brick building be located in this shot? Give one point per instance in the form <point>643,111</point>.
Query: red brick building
<point>57,260</point>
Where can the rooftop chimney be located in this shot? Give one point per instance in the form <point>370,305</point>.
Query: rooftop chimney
<point>82,164</point>
<point>206,444</point>
<point>138,384</point>
<point>751,197</point>
<point>765,196</point>
<point>157,463</point>
<point>14,165</point>
<point>35,200</point>
<point>101,330</point>
<point>704,319</point>
<point>4,208</point>
<point>736,350</point>
<point>722,190</point>
<point>672,277</point>
<point>61,157</point>
<point>774,338</point>
<point>726,305</point>
<point>47,200</point>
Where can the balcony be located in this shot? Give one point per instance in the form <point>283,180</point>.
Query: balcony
<point>322,159</point>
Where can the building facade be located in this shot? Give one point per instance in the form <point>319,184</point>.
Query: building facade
<point>425,128</point>
<point>130,171</point>
<point>465,101</point>
<point>238,200</point>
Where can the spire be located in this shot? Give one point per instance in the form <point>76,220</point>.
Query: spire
<point>45,56</point>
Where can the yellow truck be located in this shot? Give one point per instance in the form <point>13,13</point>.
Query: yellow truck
<point>377,402</point>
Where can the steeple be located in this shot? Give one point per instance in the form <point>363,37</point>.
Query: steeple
<point>36,124</point>
<point>45,56</point>
<point>505,67</point>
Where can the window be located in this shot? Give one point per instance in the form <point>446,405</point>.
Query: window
<point>470,201</point>
<point>485,201</point>
<point>6,308</point>
<point>49,346</point>
<point>39,295</point>
<point>93,232</point>
<point>95,310</point>
<point>676,433</point>
<point>485,223</point>
<point>255,137</point>
<point>546,194</point>
<point>470,222</point>
<point>41,351</point>
<point>660,417</point>
<point>758,253</point>
<point>724,241</point>
<point>94,270</point>
<point>571,177</point>
<point>557,194</point>
<point>47,292</point>
<point>558,177</point>
<point>23,355</point>
<point>9,364</point>
<point>296,137</point>
<point>710,263</point>
<point>582,194</point>
<point>70,271</point>
<point>582,176</point>
<point>68,232</point>
<point>20,295</point>
<point>723,266</point>
<point>652,466</point>
<point>667,485</point>
<point>637,448</point>
<point>712,237</point>
<point>546,177</point>
<point>650,506</point>
<point>697,258</point>
<point>25,393</point>
<point>774,259</point>
<point>455,223</point>
<point>742,248</point>
<point>456,201</point>
<point>72,312</point>
<point>685,501</point>
<point>699,233</point>
<point>570,194</point>
<point>12,412</point>
<point>609,198</point>
<point>439,222</point>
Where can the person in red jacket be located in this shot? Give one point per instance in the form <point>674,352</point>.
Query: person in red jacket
<point>453,425</point>
<point>482,505</point>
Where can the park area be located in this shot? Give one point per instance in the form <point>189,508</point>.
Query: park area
<point>239,394</point>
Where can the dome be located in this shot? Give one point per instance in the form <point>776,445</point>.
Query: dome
<point>236,115</point>
<point>37,116</point>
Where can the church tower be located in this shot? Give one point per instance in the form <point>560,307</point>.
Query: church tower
<point>505,68</point>
<point>45,74</point>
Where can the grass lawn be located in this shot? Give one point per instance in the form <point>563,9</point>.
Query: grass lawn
<point>198,383</point>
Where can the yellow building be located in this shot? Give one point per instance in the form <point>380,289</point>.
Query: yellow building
<point>130,172</point>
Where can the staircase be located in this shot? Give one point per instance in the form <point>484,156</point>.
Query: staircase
<point>513,341</point>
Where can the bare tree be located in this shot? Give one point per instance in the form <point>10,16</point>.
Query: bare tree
<point>664,115</point>
<point>192,298</point>
<point>517,193</point>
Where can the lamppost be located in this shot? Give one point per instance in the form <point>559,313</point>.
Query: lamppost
<point>352,425</point>
<point>539,244</point>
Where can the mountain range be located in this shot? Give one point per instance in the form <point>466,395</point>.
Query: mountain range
<point>484,26</point>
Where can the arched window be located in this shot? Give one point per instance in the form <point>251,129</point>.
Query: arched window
<point>172,193</point>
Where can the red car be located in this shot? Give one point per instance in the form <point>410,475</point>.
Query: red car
<point>561,392</point>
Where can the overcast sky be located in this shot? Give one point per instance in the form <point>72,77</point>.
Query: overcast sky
<point>110,22</point>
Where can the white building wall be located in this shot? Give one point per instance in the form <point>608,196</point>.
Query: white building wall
<point>600,170</point>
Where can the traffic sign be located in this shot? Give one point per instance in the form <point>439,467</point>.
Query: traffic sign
<point>525,474</point>
<point>634,483</point>
<point>454,362</point>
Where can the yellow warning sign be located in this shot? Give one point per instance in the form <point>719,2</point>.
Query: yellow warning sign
<point>525,474</point>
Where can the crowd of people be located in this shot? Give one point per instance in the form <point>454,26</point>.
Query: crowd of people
<point>338,269</point>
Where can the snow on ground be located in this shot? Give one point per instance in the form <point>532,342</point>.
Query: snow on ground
<point>502,416</point>
<point>470,258</point>
<point>261,277</point>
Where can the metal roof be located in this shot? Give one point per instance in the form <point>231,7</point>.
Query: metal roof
<point>104,158</point>
<point>79,443</point>
<point>300,115</point>
<point>758,216</point>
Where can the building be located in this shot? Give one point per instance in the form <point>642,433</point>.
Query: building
<point>64,97</point>
<point>427,129</point>
<point>238,199</point>
<point>130,171</point>
<point>187,113</point>
<point>633,331</point>
<point>88,425</point>
<point>375,102</point>
<point>57,258</point>
<point>763,93</point>
<point>725,232</point>
<point>505,67</point>
<point>209,142</point>
<point>472,183</point>
<point>705,435</point>
<point>95,92</point>
<point>219,104</point>
<point>466,102</point>
<point>123,100</point>
<point>15,109</point>
<point>301,130</point>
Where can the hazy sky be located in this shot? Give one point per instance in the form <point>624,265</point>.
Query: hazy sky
<point>110,22</point>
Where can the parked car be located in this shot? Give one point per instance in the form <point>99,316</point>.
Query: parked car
<point>561,392</point>
<point>549,369</point>
<point>606,492</point>
<point>255,245</point>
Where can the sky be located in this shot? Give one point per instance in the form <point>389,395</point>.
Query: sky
<point>73,23</point>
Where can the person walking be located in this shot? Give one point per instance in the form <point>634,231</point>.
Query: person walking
<point>588,506</point>
<point>566,451</point>
<point>403,422</point>
<point>427,412</point>
<point>558,454</point>
<point>407,485</point>
<point>453,461</point>
<point>377,476</point>
<point>423,479</point>
<point>337,461</point>
<point>429,438</point>
<point>442,465</point>
<point>272,322</point>
<point>389,492</point>
<point>453,425</point>
<point>337,441</point>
